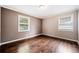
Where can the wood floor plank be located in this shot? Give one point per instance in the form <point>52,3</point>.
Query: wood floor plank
<point>41,44</point>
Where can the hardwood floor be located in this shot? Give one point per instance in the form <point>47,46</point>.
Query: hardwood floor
<point>41,44</point>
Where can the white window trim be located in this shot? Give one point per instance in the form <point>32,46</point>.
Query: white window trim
<point>23,23</point>
<point>64,17</point>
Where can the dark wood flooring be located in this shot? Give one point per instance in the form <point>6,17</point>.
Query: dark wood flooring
<point>41,44</point>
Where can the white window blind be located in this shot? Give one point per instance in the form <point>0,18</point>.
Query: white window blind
<point>23,23</point>
<point>65,23</point>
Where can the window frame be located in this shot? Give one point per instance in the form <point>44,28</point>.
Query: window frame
<point>28,18</point>
<point>64,16</point>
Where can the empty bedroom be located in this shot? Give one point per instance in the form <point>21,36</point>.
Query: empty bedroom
<point>39,29</point>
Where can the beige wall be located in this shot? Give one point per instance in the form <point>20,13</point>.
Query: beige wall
<point>0,24</point>
<point>78,26</point>
<point>10,26</point>
<point>50,27</point>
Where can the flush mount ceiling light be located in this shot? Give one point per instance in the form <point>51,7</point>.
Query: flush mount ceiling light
<point>42,6</point>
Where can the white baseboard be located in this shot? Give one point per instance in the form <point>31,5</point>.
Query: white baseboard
<point>19,39</point>
<point>60,37</point>
<point>35,36</point>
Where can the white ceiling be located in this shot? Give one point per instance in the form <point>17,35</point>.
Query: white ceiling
<point>35,11</point>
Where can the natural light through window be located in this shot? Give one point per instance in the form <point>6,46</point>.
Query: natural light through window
<point>65,23</point>
<point>23,23</point>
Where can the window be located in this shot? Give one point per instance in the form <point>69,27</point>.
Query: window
<point>65,23</point>
<point>23,23</point>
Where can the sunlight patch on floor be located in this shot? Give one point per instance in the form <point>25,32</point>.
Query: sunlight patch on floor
<point>24,49</point>
<point>65,49</point>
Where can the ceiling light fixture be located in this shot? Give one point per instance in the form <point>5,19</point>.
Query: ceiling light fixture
<point>42,6</point>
